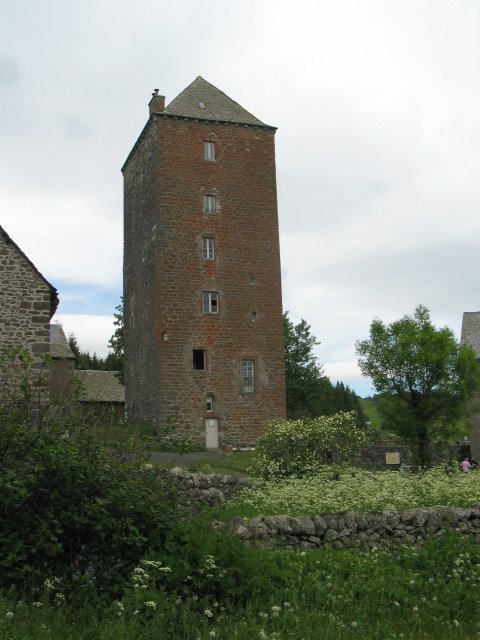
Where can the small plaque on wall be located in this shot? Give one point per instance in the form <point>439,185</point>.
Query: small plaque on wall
<point>392,457</point>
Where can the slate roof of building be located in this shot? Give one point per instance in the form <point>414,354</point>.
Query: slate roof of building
<point>59,347</point>
<point>471,330</point>
<point>53,292</point>
<point>100,386</point>
<point>204,101</point>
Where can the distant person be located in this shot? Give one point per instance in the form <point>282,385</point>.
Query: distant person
<point>465,466</point>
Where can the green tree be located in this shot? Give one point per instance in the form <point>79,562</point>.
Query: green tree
<point>116,342</point>
<point>425,377</point>
<point>304,377</point>
<point>83,359</point>
<point>113,361</point>
<point>309,392</point>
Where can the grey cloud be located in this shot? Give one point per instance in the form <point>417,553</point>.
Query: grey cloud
<point>9,71</point>
<point>75,128</point>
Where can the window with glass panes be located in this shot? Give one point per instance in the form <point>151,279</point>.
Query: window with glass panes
<point>210,302</point>
<point>248,375</point>
<point>209,150</point>
<point>208,249</point>
<point>210,204</point>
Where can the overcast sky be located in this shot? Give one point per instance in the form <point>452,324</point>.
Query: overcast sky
<point>378,148</point>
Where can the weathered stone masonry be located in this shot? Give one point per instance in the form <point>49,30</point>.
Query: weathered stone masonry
<point>352,529</point>
<point>471,336</point>
<point>165,273</point>
<point>27,303</point>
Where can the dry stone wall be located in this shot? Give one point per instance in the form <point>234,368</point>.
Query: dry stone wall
<point>211,488</point>
<point>353,529</point>
<point>339,530</point>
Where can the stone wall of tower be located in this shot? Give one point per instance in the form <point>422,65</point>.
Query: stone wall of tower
<point>475,424</point>
<point>141,225</point>
<point>166,179</point>
<point>471,336</point>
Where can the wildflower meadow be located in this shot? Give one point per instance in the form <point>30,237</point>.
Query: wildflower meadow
<point>344,488</point>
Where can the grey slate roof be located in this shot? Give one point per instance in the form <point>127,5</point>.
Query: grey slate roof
<point>217,105</point>
<point>471,330</point>
<point>100,386</point>
<point>59,347</point>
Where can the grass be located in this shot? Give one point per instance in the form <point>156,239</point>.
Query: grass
<point>431,593</point>
<point>219,588</point>
<point>370,409</point>
<point>240,463</point>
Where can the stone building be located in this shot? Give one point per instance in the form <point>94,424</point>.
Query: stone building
<point>62,365</point>
<point>27,303</point>
<point>471,335</point>
<point>101,396</point>
<point>202,287</point>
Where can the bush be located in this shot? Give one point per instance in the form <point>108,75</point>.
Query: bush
<point>298,447</point>
<point>74,508</point>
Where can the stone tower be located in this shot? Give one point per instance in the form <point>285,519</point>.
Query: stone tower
<point>202,286</point>
<point>471,336</point>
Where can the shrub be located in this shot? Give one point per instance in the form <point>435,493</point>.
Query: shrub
<point>298,447</point>
<point>74,508</point>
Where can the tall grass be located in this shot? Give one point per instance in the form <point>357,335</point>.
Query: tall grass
<point>432,592</point>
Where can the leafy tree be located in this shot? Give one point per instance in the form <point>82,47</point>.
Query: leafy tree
<point>309,392</point>
<point>117,343</point>
<point>425,377</point>
<point>304,377</point>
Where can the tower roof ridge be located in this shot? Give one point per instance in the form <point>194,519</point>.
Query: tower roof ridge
<point>204,101</point>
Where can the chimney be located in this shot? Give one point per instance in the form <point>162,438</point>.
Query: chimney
<point>157,103</point>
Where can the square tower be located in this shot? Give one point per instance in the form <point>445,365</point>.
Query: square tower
<point>202,283</point>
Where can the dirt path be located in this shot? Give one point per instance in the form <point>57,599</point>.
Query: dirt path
<point>183,459</point>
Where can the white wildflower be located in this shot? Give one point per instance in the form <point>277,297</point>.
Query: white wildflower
<point>208,613</point>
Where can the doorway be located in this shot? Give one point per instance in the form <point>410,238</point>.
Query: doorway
<point>211,429</point>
